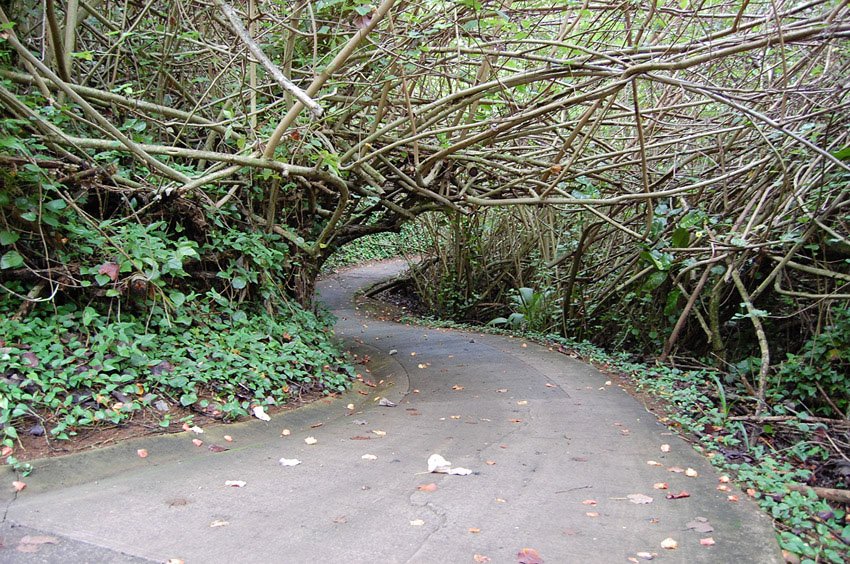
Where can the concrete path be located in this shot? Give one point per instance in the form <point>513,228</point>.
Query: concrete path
<point>542,433</point>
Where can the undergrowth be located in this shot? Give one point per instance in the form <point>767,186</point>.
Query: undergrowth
<point>64,368</point>
<point>806,525</point>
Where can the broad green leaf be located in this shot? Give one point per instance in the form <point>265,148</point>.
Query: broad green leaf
<point>12,259</point>
<point>8,237</point>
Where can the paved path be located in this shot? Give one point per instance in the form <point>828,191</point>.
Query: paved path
<point>542,433</point>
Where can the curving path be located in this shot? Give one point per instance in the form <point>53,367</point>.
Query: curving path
<point>543,434</point>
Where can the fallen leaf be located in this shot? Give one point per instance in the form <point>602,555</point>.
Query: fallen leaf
<point>422,365</point>
<point>39,539</point>
<point>676,469</point>
<point>350,407</point>
<point>285,433</point>
<point>502,390</point>
<point>379,432</point>
<point>707,541</point>
<point>639,498</point>
<point>235,483</point>
<point>700,525</point>
<point>669,544</point>
<point>751,492</point>
<point>665,448</point>
<point>724,479</point>
<point>228,438</point>
<point>660,485</point>
<point>490,462</point>
<point>529,556</point>
<point>19,486</point>
<point>732,498</point>
<point>647,555</point>
<point>6,451</point>
<point>197,442</point>
<point>474,530</point>
<point>340,520</point>
<point>174,561</point>
<point>219,523</point>
<point>592,502</point>
<point>311,440</point>
<point>260,413</point>
<point>592,514</point>
<point>110,269</point>
<point>417,522</point>
<point>316,425</point>
<point>384,402</point>
<point>654,463</point>
<point>691,473</point>
<point>457,471</point>
<point>681,495</point>
<point>457,388</point>
<point>361,438</point>
<point>217,448</point>
<point>516,420</point>
<point>289,462</point>
<point>142,453</point>
<point>427,487</point>
<point>723,488</point>
<point>500,500</point>
<point>481,558</point>
<point>522,402</point>
<point>625,432</point>
<point>369,457</point>
<point>195,429</point>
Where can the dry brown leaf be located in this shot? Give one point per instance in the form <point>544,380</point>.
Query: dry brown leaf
<point>654,463</point>
<point>500,500</point>
<point>732,498</point>
<point>228,438</point>
<point>19,486</point>
<point>723,488</point>
<point>219,523</point>
<point>707,541</point>
<point>490,462</point>
<point>522,402</point>
<point>548,385</point>
<point>417,522</point>
<point>481,558</point>
<point>516,420</point>
<point>592,514</point>
<point>529,556</point>
<point>660,485</point>
<point>665,448</point>
<point>457,388</point>
<point>724,479</point>
<point>751,492</point>
<point>691,473</point>
<point>6,451</point>
<point>143,453</point>
<point>235,483</point>
<point>311,440</point>
<point>474,530</point>
<point>669,544</point>
<point>197,442</point>
<point>427,487</point>
<point>589,502</point>
<point>681,495</point>
<point>454,417</point>
<point>502,390</point>
<point>676,469</point>
<point>379,432</point>
<point>217,448</point>
<point>285,433</point>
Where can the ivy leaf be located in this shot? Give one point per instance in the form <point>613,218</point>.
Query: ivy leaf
<point>12,259</point>
<point>8,237</point>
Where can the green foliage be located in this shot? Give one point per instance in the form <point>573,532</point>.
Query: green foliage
<point>76,367</point>
<point>818,374</point>
<point>533,311</point>
<point>411,240</point>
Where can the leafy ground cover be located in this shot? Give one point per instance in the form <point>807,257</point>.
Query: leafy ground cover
<point>66,369</point>
<point>767,457</point>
